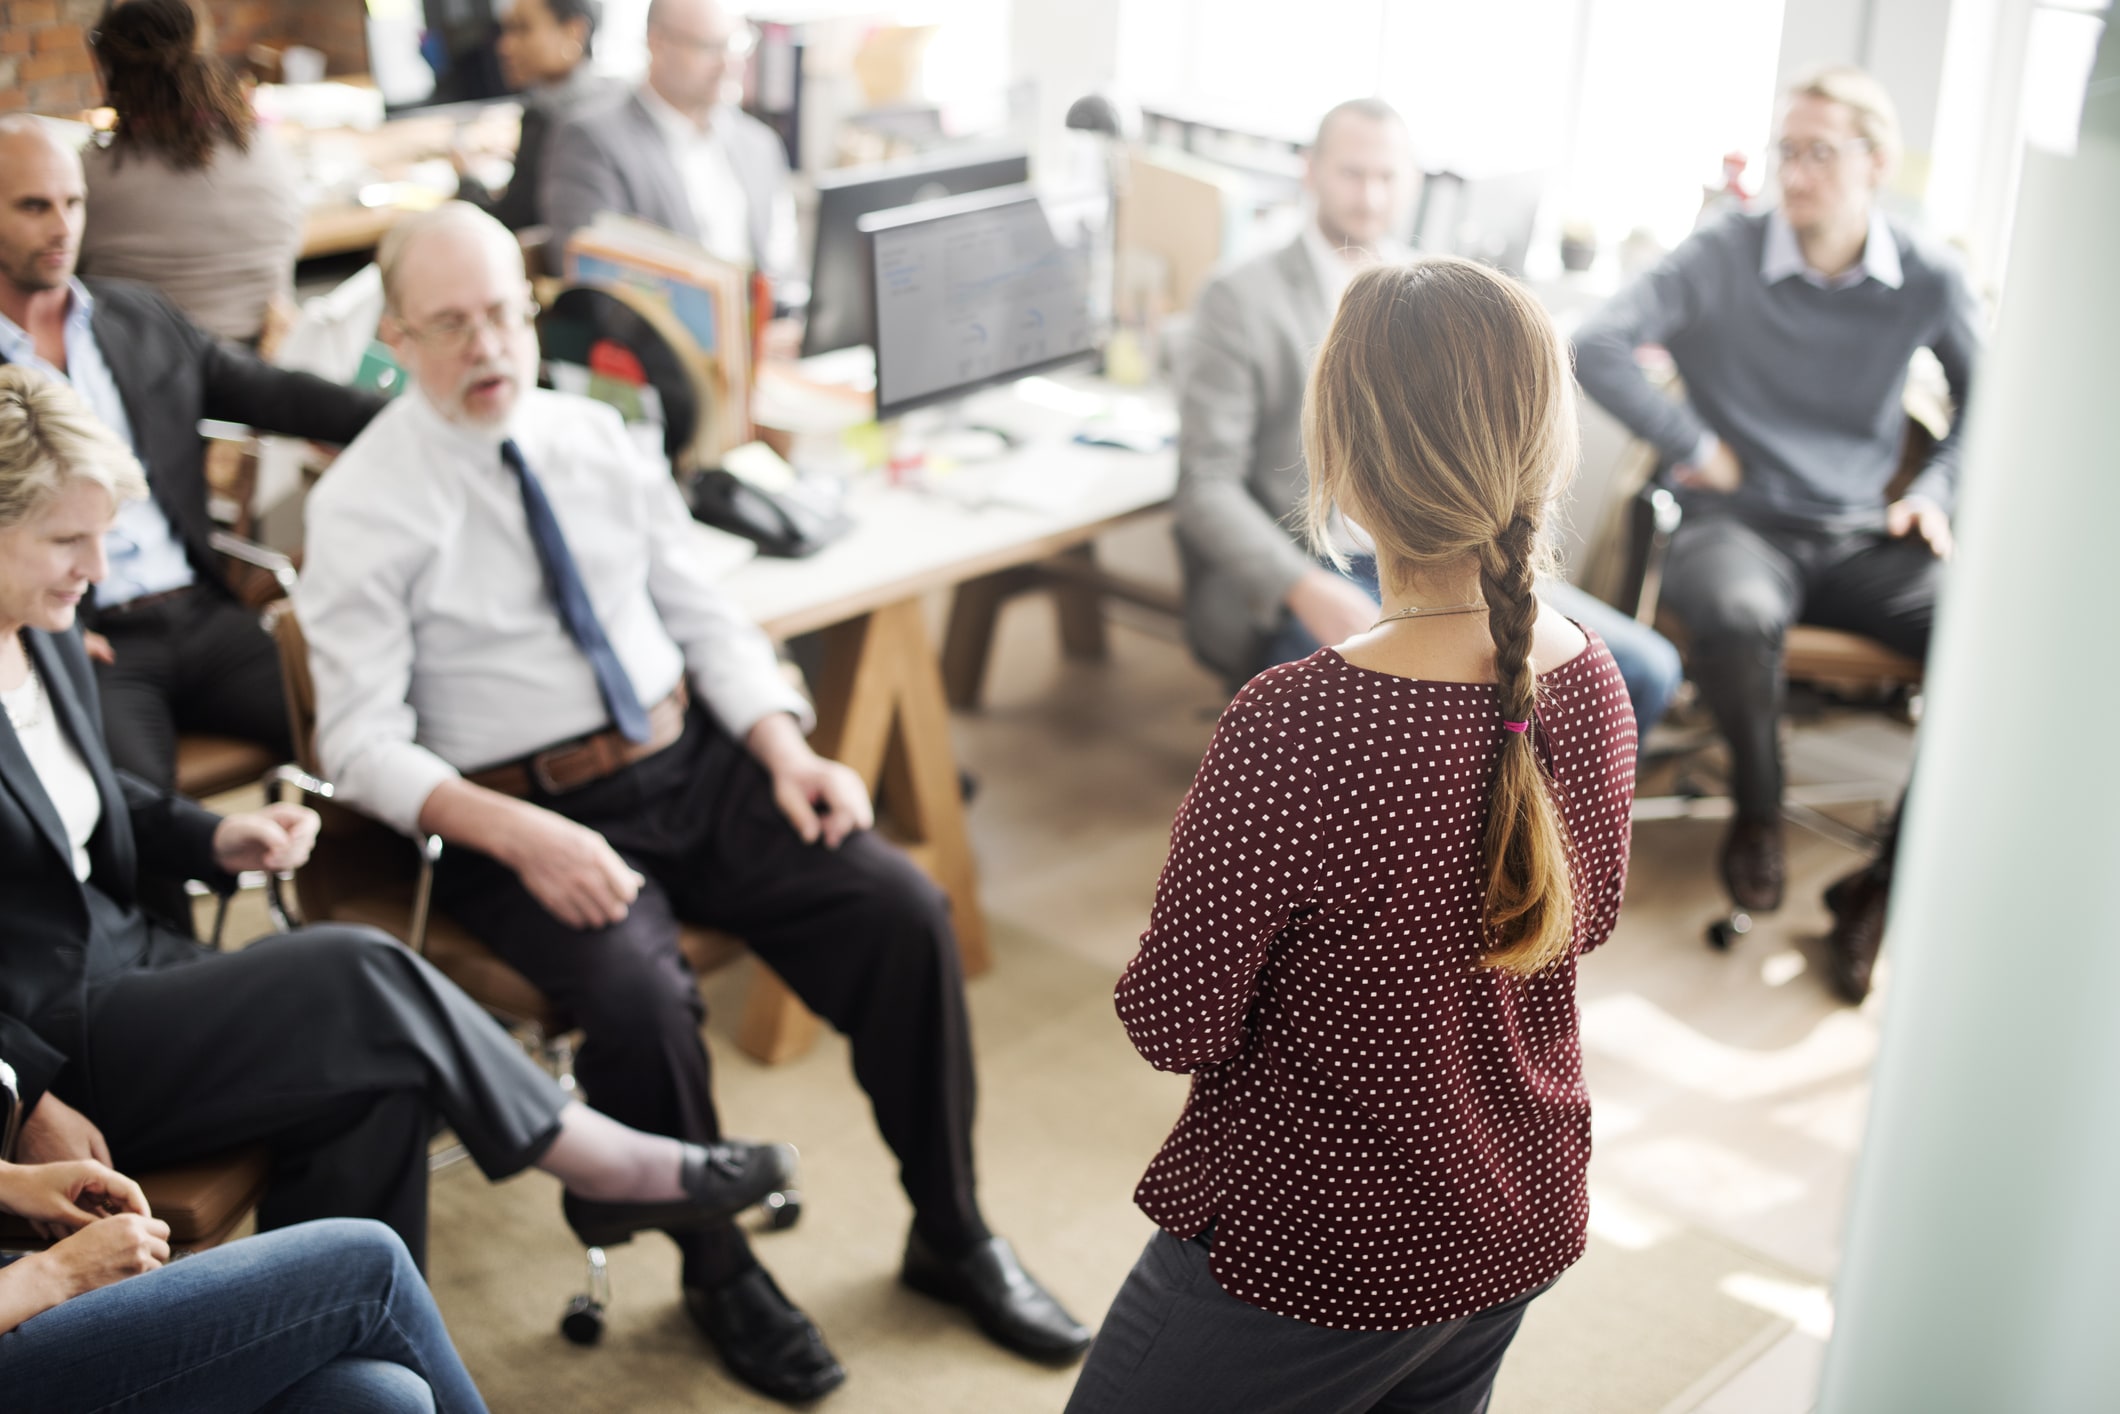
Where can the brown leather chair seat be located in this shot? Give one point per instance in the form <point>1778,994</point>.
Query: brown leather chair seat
<point>203,1203</point>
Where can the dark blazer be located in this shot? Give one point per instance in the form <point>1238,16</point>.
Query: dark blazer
<point>612,157</point>
<point>46,930</point>
<point>171,373</point>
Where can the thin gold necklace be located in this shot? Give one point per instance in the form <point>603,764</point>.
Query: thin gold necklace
<point>1438,612</point>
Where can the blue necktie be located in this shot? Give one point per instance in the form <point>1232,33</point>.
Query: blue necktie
<point>575,610</point>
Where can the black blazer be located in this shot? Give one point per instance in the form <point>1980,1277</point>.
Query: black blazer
<point>171,373</point>
<point>45,926</point>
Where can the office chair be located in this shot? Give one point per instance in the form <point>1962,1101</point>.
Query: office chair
<point>364,872</point>
<point>203,1203</point>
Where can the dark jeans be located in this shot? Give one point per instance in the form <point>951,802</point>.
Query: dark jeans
<point>859,933</point>
<point>328,1316</point>
<point>1738,588</point>
<point>1647,662</point>
<point>1176,1340</point>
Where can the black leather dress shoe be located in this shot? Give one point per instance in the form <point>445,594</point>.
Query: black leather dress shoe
<point>1753,869</point>
<point>720,1180</point>
<point>1006,1301</point>
<point>763,1339</point>
<point>1858,904</point>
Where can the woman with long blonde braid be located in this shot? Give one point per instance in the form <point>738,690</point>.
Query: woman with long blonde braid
<point>1364,944</point>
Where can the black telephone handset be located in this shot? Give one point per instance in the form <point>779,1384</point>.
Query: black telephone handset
<point>785,527</point>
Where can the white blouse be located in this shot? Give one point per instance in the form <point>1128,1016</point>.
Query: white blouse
<point>58,764</point>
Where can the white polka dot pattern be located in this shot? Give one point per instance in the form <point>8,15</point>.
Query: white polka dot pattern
<point>1384,1134</point>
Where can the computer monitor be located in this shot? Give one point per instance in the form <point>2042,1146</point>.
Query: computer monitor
<point>982,289</point>
<point>841,305</point>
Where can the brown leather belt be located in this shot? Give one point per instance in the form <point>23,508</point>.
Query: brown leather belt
<point>560,769</point>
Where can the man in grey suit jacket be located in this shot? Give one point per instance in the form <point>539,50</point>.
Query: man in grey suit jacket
<point>1254,596</point>
<point>675,153</point>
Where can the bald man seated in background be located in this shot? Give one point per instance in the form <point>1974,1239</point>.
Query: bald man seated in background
<point>1254,596</point>
<point>517,647</point>
<point>678,152</point>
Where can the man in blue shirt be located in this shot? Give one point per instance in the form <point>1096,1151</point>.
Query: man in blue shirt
<point>1792,331</point>
<point>175,650</point>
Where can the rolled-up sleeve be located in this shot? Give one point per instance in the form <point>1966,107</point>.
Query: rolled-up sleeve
<point>354,606</point>
<point>730,661</point>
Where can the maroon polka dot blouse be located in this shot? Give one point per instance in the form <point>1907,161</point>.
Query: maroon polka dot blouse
<point>1383,1133</point>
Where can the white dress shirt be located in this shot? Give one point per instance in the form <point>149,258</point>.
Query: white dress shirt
<point>720,204</point>
<point>1781,257</point>
<point>436,647</point>
<point>58,764</point>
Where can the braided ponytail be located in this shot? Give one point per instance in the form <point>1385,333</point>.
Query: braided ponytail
<point>172,98</point>
<point>1441,406</point>
<point>1529,912</point>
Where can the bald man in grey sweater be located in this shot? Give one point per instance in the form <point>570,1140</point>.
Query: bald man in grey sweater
<point>1792,331</point>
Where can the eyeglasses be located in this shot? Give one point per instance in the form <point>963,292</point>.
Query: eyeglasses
<point>455,331</point>
<point>1818,155</point>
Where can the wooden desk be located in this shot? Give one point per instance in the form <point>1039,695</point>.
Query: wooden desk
<point>341,226</point>
<point>881,704</point>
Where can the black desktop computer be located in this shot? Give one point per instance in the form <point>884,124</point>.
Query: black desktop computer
<point>841,312</point>
<point>972,291</point>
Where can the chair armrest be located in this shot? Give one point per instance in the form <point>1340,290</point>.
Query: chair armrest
<point>423,892</point>
<point>429,846</point>
<point>249,552</point>
<point>1654,520</point>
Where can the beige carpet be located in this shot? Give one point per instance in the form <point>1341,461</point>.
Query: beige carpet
<point>1068,1116</point>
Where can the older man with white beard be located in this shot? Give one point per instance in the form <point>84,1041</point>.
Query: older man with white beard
<point>516,648</point>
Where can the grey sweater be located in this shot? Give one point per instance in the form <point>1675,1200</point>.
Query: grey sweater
<point>1803,383</point>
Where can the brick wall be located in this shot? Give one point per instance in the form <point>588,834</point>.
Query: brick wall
<point>45,66</point>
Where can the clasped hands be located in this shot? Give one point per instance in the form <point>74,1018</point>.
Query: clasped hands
<point>1721,472</point>
<point>585,883</point>
<point>96,1218</point>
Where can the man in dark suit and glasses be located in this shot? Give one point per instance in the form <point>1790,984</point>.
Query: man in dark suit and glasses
<point>175,650</point>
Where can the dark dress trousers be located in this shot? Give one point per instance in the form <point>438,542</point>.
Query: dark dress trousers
<point>333,1046</point>
<point>199,662</point>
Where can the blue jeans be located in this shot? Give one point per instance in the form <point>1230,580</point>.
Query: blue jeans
<point>1646,660</point>
<point>321,1317</point>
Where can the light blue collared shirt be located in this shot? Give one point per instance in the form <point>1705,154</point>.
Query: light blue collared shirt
<point>1782,257</point>
<point>146,557</point>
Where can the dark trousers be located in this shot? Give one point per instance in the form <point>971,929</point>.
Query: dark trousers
<point>1174,1339</point>
<point>1738,588</point>
<point>334,1046</point>
<point>860,934</point>
<point>197,663</point>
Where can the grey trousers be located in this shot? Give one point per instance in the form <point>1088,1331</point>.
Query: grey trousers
<point>1175,1341</point>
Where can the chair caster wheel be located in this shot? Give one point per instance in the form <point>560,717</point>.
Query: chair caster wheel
<point>783,1210</point>
<point>584,1322</point>
<point>1723,933</point>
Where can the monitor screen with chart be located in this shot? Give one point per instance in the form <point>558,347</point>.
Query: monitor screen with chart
<point>983,289</point>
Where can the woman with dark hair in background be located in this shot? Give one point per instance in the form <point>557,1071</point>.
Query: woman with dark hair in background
<point>544,48</point>
<point>188,195</point>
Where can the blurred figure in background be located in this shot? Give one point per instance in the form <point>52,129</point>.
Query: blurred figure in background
<point>544,49</point>
<point>190,195</point>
